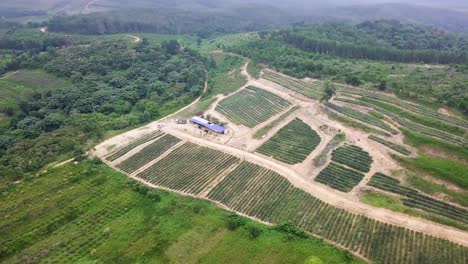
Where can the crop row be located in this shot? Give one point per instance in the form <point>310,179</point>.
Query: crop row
<point>413,198</point>
<point>264,130</point>
<point>362,117</point>
<point>134,144</point>
<point>311,90</point>
<point>190,168</point>
<point>292,144</point>
<point>339,177</point>
<point>148,153</point>
<point>417,118</point>
<point>353,156</point>
<point>453,139</point>
<point>251,106</point>
<point>266,195</point>
<point>416,108</point>
<point>396,147</point>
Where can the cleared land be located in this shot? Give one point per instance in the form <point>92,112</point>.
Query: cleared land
<point>251,106</point>
<point>339,177</point>
<point>189,169</point>
<point>292,144</point>
<point>148,153</point>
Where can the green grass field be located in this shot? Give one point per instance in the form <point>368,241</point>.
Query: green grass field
<point>89,213</point>
<point>14,86</point>
<point>226,76</point>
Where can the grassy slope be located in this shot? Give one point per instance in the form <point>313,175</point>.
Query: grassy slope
<point>16,86</point>
<point>226,77</point>
<point>92,213</point>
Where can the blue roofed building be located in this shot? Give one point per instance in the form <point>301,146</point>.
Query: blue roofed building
<point>207,124</point>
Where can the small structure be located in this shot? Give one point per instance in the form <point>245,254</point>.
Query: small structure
<point>181,121</point>
<point>208,125</point>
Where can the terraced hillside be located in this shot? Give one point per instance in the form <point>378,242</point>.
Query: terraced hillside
<point>414,199</point>
<point>312,90</point>
<point>292,144</point>
<point>251,106</point>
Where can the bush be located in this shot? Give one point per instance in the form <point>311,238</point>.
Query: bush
<point>291,229</point>
<point>254,232</point>
<point>234,221</point>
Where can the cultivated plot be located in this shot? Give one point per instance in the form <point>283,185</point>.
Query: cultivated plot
<point>148,153</point>
<point>266,195</point>
<point>339,177</point>
<point>353,156</point>
<point>190,168</point>
<point>292,144</point>
<point>251,106</point>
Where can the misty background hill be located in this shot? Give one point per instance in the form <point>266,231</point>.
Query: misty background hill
<point>230,15</point>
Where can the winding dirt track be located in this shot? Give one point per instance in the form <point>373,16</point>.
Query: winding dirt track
<point>317,190</point>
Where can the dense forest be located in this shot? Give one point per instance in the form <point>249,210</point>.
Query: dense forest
<point>170,21</point>
<point>378,40</point>
<point>115,86</point>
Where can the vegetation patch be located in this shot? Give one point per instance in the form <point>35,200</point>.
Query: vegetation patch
<point>414,199</point>
<point>134,144</point>
<point>148,153</point>
<point>90,212</point>
<point>251,106</point>
<point>265,194</point>
<point>264,130</point>
<point>292,144</point>
<point>313,90</point>
<point>353,156</point>
<point>339,177</point>
<point>189,169</point>
<point>396,147</point>
<point>371,120</point>
<point>444,169</point>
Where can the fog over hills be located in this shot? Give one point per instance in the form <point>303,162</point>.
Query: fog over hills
<point>449,15</point>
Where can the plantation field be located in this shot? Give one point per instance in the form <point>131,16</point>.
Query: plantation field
<point>440,133</point>
<point>90,213</point>
<point>312,90</point>
<point>371,120</point>
<point>251,106</point>
<point>190,168</point>
<point>148,153</point>
<point>264,130</point>
<point>134,144</point>
<point>339,177</point>
<point>292,144</point>
<point>412,198</point>
<point>264,194</point>
<point>353,156</point>
<point>396,147</point>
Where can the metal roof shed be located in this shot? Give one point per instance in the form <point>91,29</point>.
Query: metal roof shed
<point>205,123</point>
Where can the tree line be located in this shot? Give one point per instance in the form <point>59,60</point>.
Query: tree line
<point>352,51</point>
